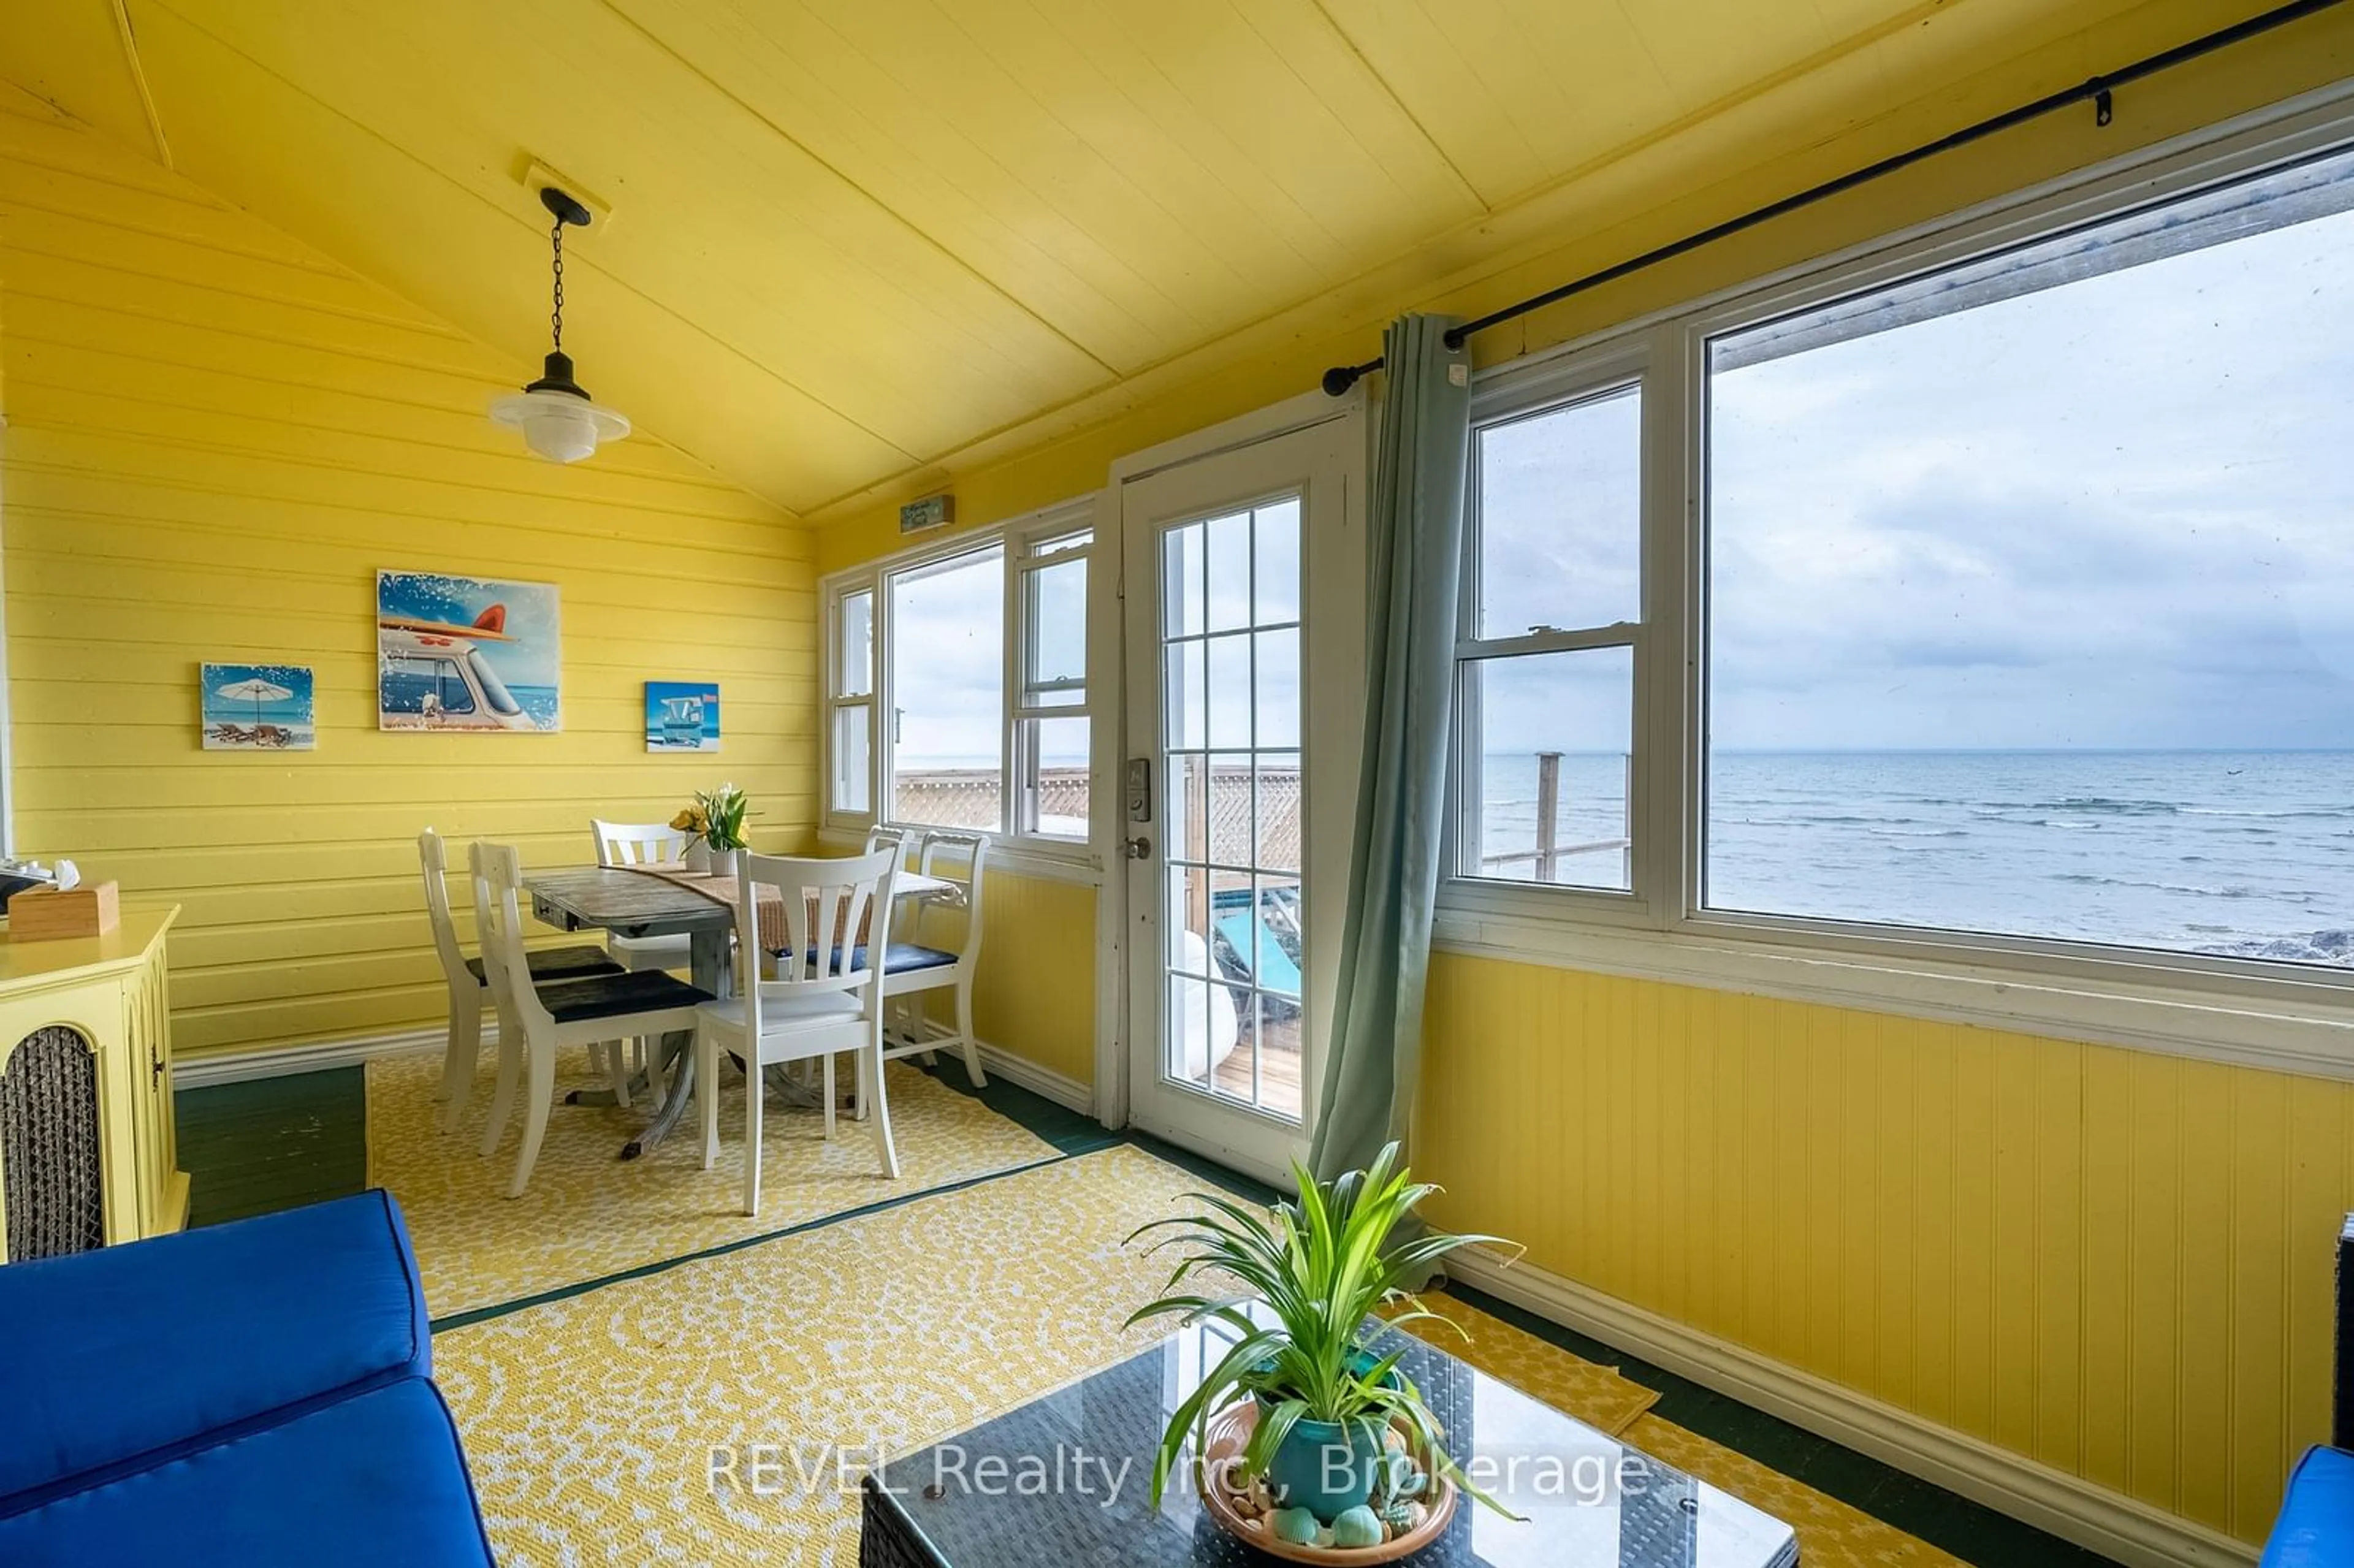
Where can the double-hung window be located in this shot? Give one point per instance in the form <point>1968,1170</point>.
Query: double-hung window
<point>956,684</point>
<point>850,686</point>
<point>1052,722</point>
<point>1990,594</point>
<point>1550,615</point>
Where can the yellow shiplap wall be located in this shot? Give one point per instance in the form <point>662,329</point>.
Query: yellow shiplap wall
<point>1034,993</point>
<point>2114,1262</point>
<point>215,438</point>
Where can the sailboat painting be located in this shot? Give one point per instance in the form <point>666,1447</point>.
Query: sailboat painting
<point>682,715</point>
<point>466,653</point>
<point>257,707</point>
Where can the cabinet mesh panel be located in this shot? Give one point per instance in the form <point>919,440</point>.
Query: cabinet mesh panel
<point>49,1147</point>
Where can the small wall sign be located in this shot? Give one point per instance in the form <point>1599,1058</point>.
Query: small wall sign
<point>931,512</point>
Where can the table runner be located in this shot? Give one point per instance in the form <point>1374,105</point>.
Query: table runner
<point>721,890</point>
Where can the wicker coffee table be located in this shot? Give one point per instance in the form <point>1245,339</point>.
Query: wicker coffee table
<point>1064,1481</point>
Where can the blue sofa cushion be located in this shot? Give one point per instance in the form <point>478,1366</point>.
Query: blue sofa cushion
<point>118,1355</point>
<point>2315,1527</point>
<point>375,1479</point>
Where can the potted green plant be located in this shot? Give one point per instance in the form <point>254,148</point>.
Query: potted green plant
<point>1322,1265</point>
<point>717,820</point>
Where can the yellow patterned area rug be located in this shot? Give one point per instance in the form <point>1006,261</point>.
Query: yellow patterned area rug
<point>590,1421</point>
<point>587,1214</point>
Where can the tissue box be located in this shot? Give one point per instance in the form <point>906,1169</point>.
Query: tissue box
<point>46,914</point>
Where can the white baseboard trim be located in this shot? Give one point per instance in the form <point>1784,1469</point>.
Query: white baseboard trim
<point>280,1061</point>
<point>277,1062</point>
<point>2131,1533</point>
<point>1045,1082</point>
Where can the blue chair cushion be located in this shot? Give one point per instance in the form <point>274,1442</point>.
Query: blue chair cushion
<point>175,1338</point>
<point>613,995</point>
<point>899,958</point>
<point>2315,1527</point>
<point>559,963</point>
<point>375,1480</point>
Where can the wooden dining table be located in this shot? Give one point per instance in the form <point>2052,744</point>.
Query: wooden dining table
<point>632,903</point>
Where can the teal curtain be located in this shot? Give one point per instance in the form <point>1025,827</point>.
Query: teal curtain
<point>1414,544</point>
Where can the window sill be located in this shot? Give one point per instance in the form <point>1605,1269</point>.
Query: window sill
<point>1044,860</point>
<point>2254,1027</point>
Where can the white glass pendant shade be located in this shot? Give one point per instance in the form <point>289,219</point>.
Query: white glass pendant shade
<point>556,418</point>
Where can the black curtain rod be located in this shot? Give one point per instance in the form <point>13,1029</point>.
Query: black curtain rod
<point>2097,91</point>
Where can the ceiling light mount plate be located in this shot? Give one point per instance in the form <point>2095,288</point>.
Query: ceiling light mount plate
<point>564,208</point>
<point>587,210</point>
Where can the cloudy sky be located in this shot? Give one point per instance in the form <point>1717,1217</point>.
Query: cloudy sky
<point>2118,513</point>
<point>947,670</point>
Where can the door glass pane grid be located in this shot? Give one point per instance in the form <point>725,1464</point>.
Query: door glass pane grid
<point>1230,664</point>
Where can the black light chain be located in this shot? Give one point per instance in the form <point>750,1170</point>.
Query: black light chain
<point>556,316</point>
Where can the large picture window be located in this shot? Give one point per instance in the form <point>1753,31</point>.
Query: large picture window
<point>2032,589</point>
<point>2002,601</point>
<point>946,643</point>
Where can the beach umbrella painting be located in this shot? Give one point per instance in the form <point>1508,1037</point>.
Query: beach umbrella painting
<point>254,689</point>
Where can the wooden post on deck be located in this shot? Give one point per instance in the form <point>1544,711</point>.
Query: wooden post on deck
<point>1548,812</point>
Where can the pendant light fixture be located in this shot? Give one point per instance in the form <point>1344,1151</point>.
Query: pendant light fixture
<point>554,413</point>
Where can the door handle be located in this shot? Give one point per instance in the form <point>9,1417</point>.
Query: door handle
<point>1138,848</point>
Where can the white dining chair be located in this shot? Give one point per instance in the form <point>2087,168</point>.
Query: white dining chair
<point>643,843</point>
<point>547,1019</point>
<point>469,988</point>
<point>812,998</point>
<point>913,969</point>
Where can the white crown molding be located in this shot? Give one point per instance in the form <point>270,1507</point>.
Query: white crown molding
<point>2118,1527</point>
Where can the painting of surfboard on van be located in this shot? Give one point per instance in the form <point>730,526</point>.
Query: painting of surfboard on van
<point>466,653</point>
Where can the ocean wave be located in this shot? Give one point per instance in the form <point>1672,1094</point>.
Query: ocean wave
<point>2089,879</point>
<point>2335,946</point>
<point>2107,806</point>
<point>2326,813</point>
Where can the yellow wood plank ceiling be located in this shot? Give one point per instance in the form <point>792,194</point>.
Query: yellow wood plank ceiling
<point>853,238</point>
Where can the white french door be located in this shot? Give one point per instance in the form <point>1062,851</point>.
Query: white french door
<point>1244,588</point>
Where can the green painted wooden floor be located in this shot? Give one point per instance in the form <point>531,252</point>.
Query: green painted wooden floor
<point>275,1143</point>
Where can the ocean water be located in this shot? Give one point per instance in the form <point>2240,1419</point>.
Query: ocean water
<point>539,704</point>
<point>2247,854</point>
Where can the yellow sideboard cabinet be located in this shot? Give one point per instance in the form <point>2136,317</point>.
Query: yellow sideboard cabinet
<point>88,1154</point>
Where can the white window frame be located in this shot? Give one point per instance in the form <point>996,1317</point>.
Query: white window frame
<point>2294,1017</point>
<point>836,699</point>
<point>1529,392</point>
<point>1019,539</point>
<point>1042,543</point>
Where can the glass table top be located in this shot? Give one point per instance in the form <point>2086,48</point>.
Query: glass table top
<point>1067,1479</point>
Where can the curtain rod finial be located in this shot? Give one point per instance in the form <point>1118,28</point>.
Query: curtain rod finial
<point>1340,378</point>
